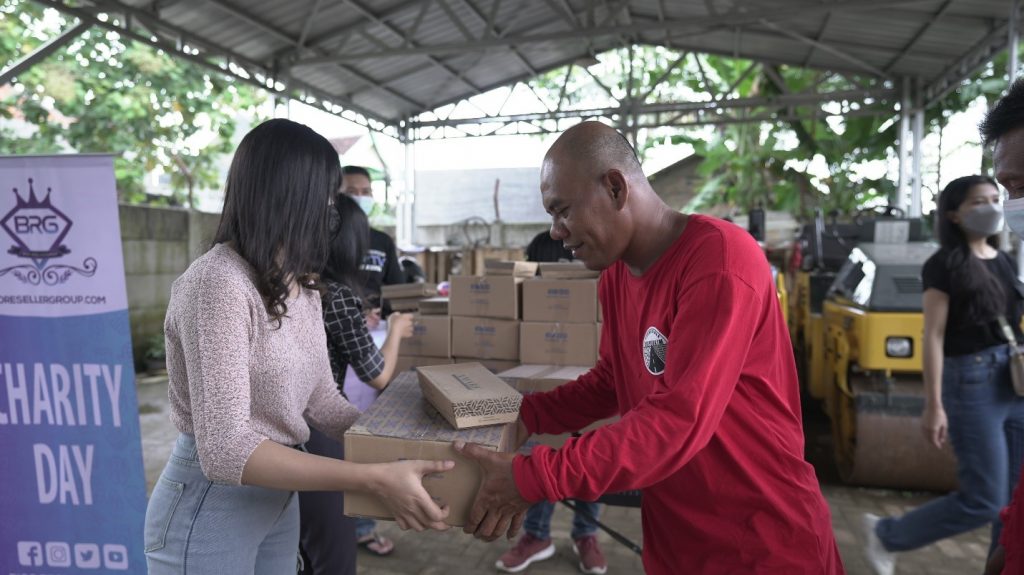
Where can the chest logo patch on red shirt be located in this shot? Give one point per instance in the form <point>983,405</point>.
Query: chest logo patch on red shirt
<point>654,351</point>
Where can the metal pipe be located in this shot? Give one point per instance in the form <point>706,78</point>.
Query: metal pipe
<point>901,182</point>
<point>42,52</point>
<point>915,182</point>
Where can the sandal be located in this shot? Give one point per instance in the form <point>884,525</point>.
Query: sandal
<point>377,544</point>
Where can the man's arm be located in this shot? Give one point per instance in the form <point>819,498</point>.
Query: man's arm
<point>707,348</point>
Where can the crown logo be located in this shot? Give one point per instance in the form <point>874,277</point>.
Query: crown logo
<point>33,201</point>
<point>37,227</point>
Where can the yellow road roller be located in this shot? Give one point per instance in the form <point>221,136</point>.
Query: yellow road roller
<point>819,252</point>
<point>871,378</point>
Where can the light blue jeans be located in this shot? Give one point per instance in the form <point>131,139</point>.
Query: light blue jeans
<point>199,527</point>
<point>538,519</point>
<point>986,428</point>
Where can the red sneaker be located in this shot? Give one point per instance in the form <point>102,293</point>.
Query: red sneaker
<point>592,560</point>
<point>527,550</point>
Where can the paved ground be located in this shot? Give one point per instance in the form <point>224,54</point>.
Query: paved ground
<point>454,552</point>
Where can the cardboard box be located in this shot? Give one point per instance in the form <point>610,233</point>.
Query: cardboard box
<point>566,270</point>
<point>434,306</point>
<point>469,395</point>
<point>408,362</point>
<point>485,296</point>
<point>573,301</point>
<point>405,305</point>
<point>495,365</point>
<point>408,291</point>
<point>483,338</point>
<point>558,343</point>
<point>401,425</point>
<point>529,379</point>
<point>431,336</point>
<point>517,269</point>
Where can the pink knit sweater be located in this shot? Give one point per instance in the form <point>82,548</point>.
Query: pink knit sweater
<point>236,379</point>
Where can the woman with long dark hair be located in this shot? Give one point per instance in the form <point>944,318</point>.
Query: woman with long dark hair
<point>328,538</point>
<point>249,374</point>
<point>971,291</point>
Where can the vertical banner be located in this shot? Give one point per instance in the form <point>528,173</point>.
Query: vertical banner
<point>72,484</point>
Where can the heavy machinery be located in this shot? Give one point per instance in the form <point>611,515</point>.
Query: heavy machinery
<point>819,251</point>
<point>862,354</point>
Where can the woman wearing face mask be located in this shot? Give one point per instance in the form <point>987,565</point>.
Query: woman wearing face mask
<point>970,290</point>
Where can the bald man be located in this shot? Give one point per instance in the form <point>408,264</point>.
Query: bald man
<point>696,360</point>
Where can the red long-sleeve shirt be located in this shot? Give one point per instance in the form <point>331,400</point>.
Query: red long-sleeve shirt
<point>696,359</point>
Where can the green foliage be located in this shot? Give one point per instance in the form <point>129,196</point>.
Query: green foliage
<point>103,94</point>
<point>775,164</point>
<point>155,347</point>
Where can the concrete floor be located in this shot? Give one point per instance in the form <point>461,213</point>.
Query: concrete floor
<point>454,552</point>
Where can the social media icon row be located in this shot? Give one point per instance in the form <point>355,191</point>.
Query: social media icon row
<point>81,555</point>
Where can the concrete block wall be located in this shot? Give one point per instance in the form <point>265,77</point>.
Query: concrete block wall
<point>158,245</point>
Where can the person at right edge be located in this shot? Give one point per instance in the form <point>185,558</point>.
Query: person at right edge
<point>970,292</point>
<point>695,358</point>
<point>1004,127</point>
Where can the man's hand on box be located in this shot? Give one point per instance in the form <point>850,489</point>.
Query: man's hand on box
<point>400,487</point>
<point>498,508</point>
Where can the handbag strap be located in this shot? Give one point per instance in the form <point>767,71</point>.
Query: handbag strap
<point>1007,332</point>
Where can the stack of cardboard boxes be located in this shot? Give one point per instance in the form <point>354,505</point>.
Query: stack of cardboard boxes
<point>509,317</point>
<point>561,317</point>
<point>486,312</point>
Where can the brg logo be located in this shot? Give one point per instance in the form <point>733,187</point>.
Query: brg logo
<point>38,229</point>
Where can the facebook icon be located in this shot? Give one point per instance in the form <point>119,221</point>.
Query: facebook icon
<point>30,553</point>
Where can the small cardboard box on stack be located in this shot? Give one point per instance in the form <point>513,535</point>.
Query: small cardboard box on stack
<point>434,306</point>
<point>469,395</point>
<point>529,379</point>
<point>486,313</point>
<point>402,424</point>
<point>519,269</point>
<point>561,317</point>
<point>406,297</point>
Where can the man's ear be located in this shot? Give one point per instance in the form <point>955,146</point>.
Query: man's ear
<point>618,189</point>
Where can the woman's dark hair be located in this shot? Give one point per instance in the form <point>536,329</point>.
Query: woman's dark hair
<point>349,240</point>
<point>970,278</point>
<point>276,200</point>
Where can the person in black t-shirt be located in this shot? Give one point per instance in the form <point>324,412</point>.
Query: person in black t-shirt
<point>380,267</point>
<point>544,248</point>
<point>970,291</point>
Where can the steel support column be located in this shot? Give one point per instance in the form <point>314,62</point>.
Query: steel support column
<point>917,129</point>
<point>902,149</point>
<point>404,211</point>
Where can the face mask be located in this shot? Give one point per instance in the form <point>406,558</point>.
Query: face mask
<point>985,220</point>
<point>365,202</point>
<point>1014,210</point>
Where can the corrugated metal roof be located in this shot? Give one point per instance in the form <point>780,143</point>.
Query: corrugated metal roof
<point>395,59</point>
